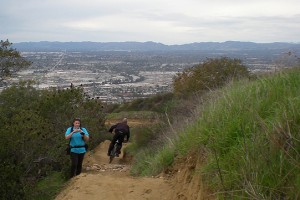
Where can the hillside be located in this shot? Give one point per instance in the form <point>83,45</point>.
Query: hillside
<point>242,144</point>
<point>236,139</point>
<point>244,140</point>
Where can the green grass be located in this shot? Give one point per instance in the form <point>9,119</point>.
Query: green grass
<point>151,162</point>
<point>247,129</point>
<point>156,103</point>
<point>48,187</point>
<point>250,133</point>
<point>133,114</point>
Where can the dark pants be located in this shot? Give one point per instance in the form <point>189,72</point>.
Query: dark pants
<point>76,166</point>
<point>117,136</point>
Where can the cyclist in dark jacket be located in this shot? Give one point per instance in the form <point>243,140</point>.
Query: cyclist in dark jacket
<point>121,130</point>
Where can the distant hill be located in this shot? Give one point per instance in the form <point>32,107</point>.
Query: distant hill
<point>153,46</point>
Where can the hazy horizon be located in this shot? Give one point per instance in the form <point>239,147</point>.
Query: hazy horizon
<point>163,21</point>
<point>155,42</point>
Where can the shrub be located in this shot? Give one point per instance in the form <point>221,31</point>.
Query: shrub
<point>211,74</point>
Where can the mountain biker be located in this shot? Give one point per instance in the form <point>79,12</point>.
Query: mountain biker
<point>121,130</point>
<point>78,135</point>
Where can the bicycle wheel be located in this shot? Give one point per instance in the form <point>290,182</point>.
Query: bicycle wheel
<point>111,157</point>
<point>113,153</point>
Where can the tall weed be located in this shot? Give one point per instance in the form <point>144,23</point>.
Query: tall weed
<point>252,132</point>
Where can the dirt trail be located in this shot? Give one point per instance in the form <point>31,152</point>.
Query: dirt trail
<point>101,180</point>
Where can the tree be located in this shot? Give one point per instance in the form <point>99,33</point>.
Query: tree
<point>11,60</point>
<point>211,74</point>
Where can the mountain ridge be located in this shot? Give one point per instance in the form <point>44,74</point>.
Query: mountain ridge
<point>153,46</point>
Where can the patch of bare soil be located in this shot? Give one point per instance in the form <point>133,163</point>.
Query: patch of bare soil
<point>101,180</point>
<point>185,179</point>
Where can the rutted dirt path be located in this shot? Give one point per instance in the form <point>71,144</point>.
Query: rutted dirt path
<point>101,180</point>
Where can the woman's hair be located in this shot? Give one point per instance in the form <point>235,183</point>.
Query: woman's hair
<point>76,119</point>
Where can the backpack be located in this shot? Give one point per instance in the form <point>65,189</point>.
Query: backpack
<point>68,149</point>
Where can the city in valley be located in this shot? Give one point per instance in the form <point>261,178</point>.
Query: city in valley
<point>109,76</point>
<point>120,76</point>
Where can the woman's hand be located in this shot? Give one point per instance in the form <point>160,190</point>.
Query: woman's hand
<point>69,135</point>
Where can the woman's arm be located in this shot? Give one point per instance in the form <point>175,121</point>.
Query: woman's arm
<point>86,137</point>
<point>68,136</point>
<point>85,134</point>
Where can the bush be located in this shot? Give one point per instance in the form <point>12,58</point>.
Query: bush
<point>212,74</point>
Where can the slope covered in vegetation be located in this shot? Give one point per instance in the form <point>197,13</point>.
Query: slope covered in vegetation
<point>246,138</point>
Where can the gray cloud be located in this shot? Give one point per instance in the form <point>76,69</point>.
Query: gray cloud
<point>166,21</point>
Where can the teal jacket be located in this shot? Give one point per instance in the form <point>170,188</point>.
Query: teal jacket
<point>77,143</point>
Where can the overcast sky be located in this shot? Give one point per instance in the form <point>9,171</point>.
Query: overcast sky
<point>165,21</point>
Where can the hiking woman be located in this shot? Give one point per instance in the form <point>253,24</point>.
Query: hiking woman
<point>77,135</point>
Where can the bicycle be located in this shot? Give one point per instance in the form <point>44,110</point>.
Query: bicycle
<point>114,152</point>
